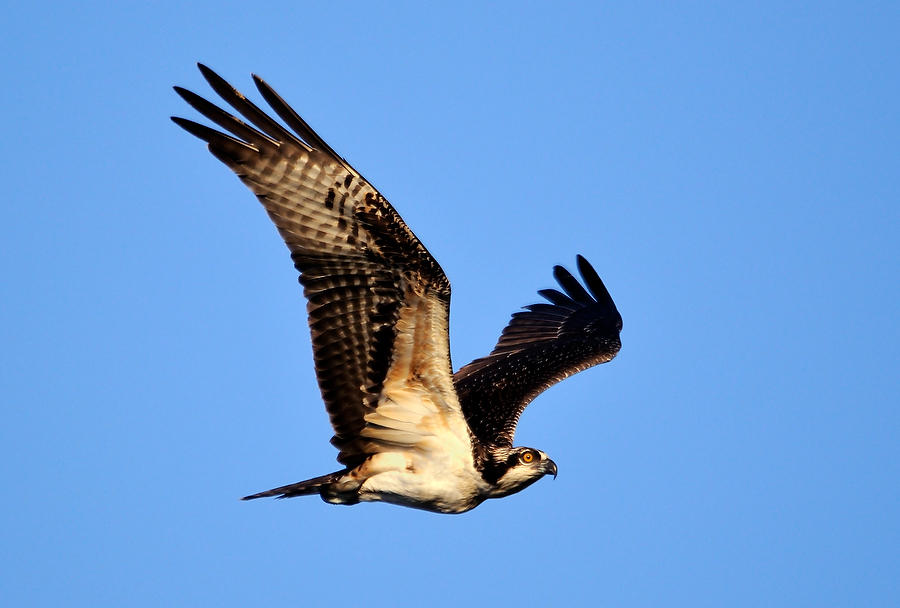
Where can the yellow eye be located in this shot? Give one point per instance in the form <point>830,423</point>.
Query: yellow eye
<point>527,457</point>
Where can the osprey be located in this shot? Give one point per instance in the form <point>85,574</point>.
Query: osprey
<point>409,431</point>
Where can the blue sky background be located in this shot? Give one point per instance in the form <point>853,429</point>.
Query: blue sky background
<point>730,169</point>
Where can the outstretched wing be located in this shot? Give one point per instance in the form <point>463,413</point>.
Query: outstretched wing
<point>538,348</point>
<point>377,300</point>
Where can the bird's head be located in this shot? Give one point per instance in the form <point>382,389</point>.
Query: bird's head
<point>519,468</point>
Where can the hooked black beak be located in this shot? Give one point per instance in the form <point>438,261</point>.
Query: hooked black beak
<point>550,468</point>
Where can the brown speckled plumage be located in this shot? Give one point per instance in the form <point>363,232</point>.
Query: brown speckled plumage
<point>378,306</point>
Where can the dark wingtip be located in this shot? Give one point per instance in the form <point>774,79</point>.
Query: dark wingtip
<point>184,123</point>
<point>208,73</point>
<point>259,495</point>
<point>594,282</point>
<point>197,130</point>
<point>219,84</point>
<point>571,286</point>
<point>204,69</point>
<point>185,94</point>
<point>194,100</point>
<point>584,267</point>
<point>557,297</point>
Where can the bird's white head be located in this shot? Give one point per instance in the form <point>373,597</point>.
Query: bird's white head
<point>524,466</point>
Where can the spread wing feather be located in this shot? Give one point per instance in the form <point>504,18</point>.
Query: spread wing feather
<point>538,348</point>
<point>362,269</point>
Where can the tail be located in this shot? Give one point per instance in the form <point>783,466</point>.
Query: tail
<point>301,488</point>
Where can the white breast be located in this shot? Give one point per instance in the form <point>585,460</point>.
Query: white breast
<point>424,456</point>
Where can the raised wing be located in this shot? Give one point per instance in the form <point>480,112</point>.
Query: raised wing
<point>377,300</point>
<point>538,348</point>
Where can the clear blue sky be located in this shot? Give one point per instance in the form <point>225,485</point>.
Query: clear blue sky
<point>730,169</point>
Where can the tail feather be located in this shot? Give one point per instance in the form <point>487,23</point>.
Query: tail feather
<point>301,488</point>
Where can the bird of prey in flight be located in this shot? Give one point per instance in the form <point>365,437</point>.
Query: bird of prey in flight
<point>409,430</point>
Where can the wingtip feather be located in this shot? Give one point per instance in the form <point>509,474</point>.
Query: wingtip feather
<point>594,282</point>
<point>208,73</point>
